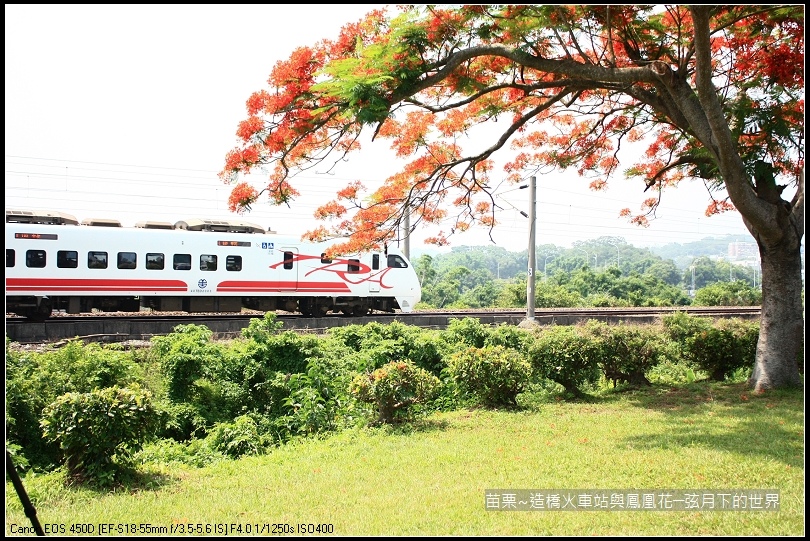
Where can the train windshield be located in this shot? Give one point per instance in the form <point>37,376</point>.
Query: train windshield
<point>396,262</point>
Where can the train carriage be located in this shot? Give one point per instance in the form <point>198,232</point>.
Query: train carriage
<point>53,262</point>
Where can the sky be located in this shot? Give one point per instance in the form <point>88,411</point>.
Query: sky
<point>128,111</point>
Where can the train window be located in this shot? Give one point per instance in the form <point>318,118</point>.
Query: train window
<point>96,260</point>
<point>35,259</point>
<point>155,261</point>
<point>67,259</point>
<point>127,260</point>
<point>182,261</point>
<point>396,262</point>
<point>325,260</point>
<point>208,262</point>
<point>11,258</point>
<point>288,260</point>
<point>354,265</point>
<point>233,263</point>
<point>375,261</point>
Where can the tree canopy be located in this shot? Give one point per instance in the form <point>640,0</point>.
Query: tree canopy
<point>570,85</point>
<point>713,93</point>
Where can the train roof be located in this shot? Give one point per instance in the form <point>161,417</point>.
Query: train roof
<point>222,226</point>
<point>154,225</point>
<point>101,222</point>
<point>40,217</point>
<point>192,224</point>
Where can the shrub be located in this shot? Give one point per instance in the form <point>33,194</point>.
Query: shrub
<point>427,350</point>
<point>353,336</point>
<point>470,332</point>
<point>372,345</point>
<point>373,355</point>
<point>182,355</point>
<point>34,380</point>
<point>509,336</point>
<point>394,388</point>
<point>180,421</point>
<point>549,295</point>
<point>729,345</point>
<point>218,381</point>
<point>262,330</point>
<point>197,453</point>
<point>565,355</point>
<point>288,352</point>
<point>681,327</point>
<point>98,431</point>
<point>668,373</point>
<point>467,332</point>
<point>494,375</point>
<point>627,352</point>
<point>718,347</point>
<point>319,400</point>
<point>358,337</point>
<point>737,293</point>
<point>240,437</point>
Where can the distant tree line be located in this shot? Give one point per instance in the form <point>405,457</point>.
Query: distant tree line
<point>603,272</point>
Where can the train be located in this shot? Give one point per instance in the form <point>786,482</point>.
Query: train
<point>56,263</point>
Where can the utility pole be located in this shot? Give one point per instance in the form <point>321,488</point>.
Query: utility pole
<point>692,291</point>
<point>617,253</point>
<point>532,261</point>
<point>406,246</point>
<point>545,263</point>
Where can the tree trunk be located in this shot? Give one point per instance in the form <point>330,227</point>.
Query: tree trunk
<point>777,225</point>
<point>781,332</point>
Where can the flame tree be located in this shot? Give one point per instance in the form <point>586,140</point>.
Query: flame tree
<point>714,94</point>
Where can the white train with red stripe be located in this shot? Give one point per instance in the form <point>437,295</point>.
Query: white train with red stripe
<point>53,262</point>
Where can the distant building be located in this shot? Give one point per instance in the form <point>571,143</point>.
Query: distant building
<point>743,251</point>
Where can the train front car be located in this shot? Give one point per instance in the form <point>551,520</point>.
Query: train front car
<point>409,290</point>
<point>383,281</point>
<point>313,283</point>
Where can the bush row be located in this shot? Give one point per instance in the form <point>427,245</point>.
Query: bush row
<point>99,411</point>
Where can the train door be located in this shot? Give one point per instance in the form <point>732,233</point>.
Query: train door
<point>374,281</point>
<point>288,270</point>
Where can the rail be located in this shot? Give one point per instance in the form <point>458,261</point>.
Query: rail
<point>128,327</point>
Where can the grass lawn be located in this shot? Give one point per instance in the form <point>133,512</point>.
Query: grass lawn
<point>430,477</point>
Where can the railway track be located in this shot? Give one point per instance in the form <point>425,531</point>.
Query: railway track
<point>123,327</point>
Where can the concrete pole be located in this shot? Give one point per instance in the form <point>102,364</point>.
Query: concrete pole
<point>692,292</point>
<point>532,257</point>
<point>406,248</point>
<point>545,264</point>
